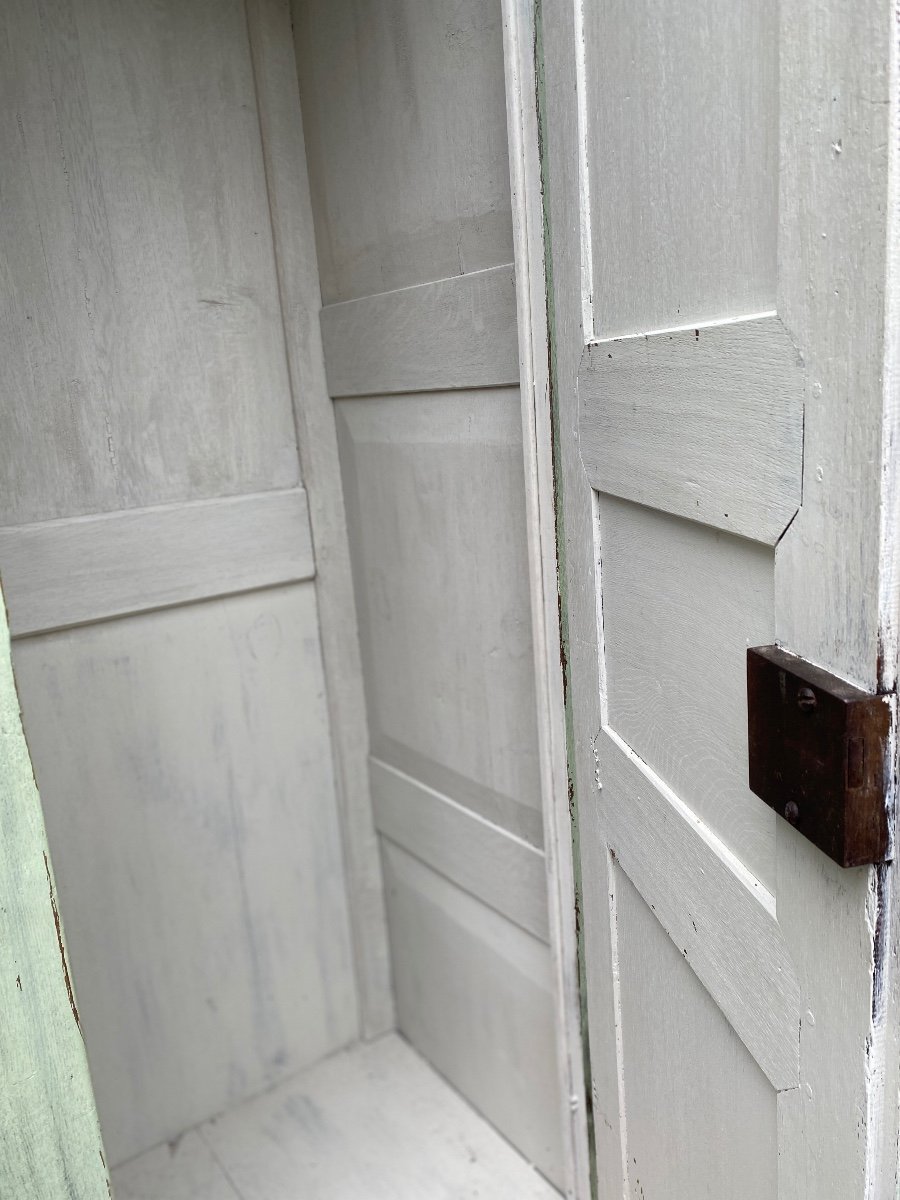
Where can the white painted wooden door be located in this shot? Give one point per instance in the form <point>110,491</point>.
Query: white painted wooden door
<point>717,183</point>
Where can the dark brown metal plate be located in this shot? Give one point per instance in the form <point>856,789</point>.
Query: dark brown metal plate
<point>819,754</point>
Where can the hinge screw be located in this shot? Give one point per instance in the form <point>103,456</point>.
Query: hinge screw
<point>791,812</point>
<point>806,699</point>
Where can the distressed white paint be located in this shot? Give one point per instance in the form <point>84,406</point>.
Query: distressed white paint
<point>70,572</point>
<point>187,776</point>
<point>540,503</point>
<point>681,603</point>
<point>141,329</point>
<point>376,346</point>
<point>707,1127</point>
<point>483,859</point>
<point>696,244</point>
<point>405,124</point>
<point>406,136</point>
<point>281,129</point>
<point>475,997</point>
<point>51,1146</point>
<point>706,423</point>
<point>375,1121</point>
<point>434,490</point>
<point>689,879</point>
<point>680,152</point>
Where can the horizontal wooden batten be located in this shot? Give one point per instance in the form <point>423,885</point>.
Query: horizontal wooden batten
<point>689,878</point>
<point>455,333</point>
<point>705,423</point>
<point>481,858</point>
<point>72,572</point>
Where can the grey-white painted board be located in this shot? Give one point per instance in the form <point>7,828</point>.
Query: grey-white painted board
<point>83,569</point>
<point>812,189</point>
<point>474,996</point>
<point>434,493</point>
<point>681,603</point>
<point>454,333</point>
<point>189,795</point>
<point>706,423</point>
<point>689,879</point>
<point>373,1122</point>
<point>526,184</point>
<point>708,1126</point>
<point>50,1147</point>
<point>141,328</point>
<point>406,136</point>
<point>681,174</point>
<point>184,1169</point>
<point>482,859</point>
<point>269,24</point>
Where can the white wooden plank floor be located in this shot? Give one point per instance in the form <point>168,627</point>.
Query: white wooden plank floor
<point>372,1123</point>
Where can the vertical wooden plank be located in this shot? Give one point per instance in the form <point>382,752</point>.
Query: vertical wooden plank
<point>281,125</point>
<point>50,1148</point>
<point>835,573</point>
<point>540,510</point>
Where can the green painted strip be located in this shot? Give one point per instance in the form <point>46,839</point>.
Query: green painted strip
<point>50,1143</point>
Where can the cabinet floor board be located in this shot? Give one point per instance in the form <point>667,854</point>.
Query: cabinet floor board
<point>374,1122</point>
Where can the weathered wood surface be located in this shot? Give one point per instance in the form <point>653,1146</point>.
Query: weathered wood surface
<point>434,488</point>
<point>373,1122</point>
<point>386,343</point>
<point>681,604</point>
<point>706,423</point>
<point>708,1125</point>
<point>187,775</point>
<point>684,228</point>
<point>406,136</point>
<point>70,572</point>
<point>50,1148</point>
<point>698,225</point>
<point>475,997</point>
<point>141,328</point>
<point>540,505</point>
<point>483,859</point>
<point>287,179</point>
<point>401,104</point>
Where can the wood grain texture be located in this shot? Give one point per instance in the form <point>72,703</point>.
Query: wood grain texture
<point>51,1146</point>
<point>185,1169</point>
<point>706,423</point>
<point>837,258</point>
<point>141,327</point>
<point>376,345</point>
<point>482,859</point>
<point>70,572</point>
<point>474,996</point>
<point>836,120</point>
<point>689,878</point>
<point>526,185</point>
<point>282,128</point>
<point>434,491</point>
<point>406,136</point>
<point>681,99</point>
<point>374,1122</point>
<point>189,793</point>
<point>706,1124</point>
<point>681,604</point>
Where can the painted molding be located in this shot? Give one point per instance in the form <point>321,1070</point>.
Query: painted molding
<point>75,571</point>
<point>454,333</point>
<point>483,859</point>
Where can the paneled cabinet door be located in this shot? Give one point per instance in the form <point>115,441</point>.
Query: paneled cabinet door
<point>717,181</point>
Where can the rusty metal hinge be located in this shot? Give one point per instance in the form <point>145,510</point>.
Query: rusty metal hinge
<point>819,754</point>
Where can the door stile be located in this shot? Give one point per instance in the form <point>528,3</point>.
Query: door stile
<point>836,583</point>
<point>519,31</point>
